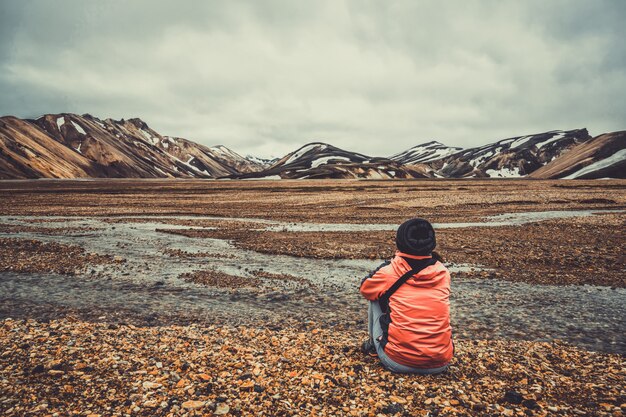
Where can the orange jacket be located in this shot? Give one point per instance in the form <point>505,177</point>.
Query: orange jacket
<point>419,334</point>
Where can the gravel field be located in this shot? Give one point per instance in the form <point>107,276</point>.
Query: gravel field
<point>71,367</point>
<point>199,298</point>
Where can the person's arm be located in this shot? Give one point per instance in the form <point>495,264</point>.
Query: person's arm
<point>376,283</point>
<point>371,274</point>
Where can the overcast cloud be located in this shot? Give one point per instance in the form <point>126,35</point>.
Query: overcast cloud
<point>264,77</point>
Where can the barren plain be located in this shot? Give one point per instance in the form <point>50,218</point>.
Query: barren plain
<point>185,297</point>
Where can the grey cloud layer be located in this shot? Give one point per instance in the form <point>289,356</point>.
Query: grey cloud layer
<point>371,76</point>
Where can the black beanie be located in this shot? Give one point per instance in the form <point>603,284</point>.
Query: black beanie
<point>416,237</point>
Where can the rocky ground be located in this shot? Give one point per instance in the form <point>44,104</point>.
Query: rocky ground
<point>564,252</point>
<point>288,356</point>
<point>26,255</point>
<point>263,280</point>
<point>69,367</point>
<point>8,228</point>
<point>218,279</point>
<point>331,201</point>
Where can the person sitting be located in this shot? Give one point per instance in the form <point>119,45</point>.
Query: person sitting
<point>409,307</point>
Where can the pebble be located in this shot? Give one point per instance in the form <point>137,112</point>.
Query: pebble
<point>193,405</point>
<point>221,409</point>
<point>151,385</point>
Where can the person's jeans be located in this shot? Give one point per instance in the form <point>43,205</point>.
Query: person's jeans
<point>376,331</point>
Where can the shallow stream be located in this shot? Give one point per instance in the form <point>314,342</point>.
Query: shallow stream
<point>147,285</point>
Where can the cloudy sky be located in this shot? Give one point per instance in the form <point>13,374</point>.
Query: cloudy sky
<point>264,77</point>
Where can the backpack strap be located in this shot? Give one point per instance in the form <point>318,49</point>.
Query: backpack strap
<point>385,318</point>
<point>421,264</point>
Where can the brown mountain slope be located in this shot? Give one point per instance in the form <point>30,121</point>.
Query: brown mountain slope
<point>114,151</point>
<point>28,152</point>
<point>217,160</point>
<point>69,146</point>
<point>603,156</point>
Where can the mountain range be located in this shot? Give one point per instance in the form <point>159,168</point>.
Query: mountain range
<point>70,146</point>
<point>74,146</point>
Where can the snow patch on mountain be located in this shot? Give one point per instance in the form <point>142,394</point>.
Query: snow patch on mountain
<point>558,136</point>
<point>519,142</point>
<point>188,164</point>
<point>79,127</point>
<point>149,137</point>
<point>324,160</point>
<point>223,150</point>
<point>504,173</point>
<point>269,177</point>
<point>424,153</point>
